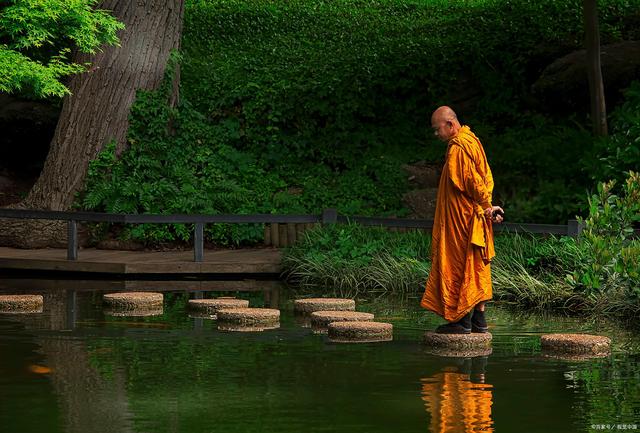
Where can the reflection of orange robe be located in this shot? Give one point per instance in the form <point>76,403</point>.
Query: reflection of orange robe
<point>457,405</point>
<point>462,243</point>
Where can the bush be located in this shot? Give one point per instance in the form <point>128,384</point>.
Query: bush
<point>613,260</point>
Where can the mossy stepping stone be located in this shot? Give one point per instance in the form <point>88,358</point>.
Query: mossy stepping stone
<point>133,301</point>
<point>257,317</point>
<point>133,312</point>
<point>320,320</point>
<point>457,342</point>
<point>308,306</point>
<point>239,327</point>
<point>21,304</point>
<point>459,353</point>
<point>578,345</point>
<point>359,332</point>
<point>210,307</point>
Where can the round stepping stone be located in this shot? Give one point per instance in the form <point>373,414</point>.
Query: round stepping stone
<point>21,304</point>
<point>136,312</point>
<point>308,306</point>
<point>237,327</point>
<point>209,307</point>
<point>259,317</point>
<point>133,301</point>
<point>359,332</point>
<point>575,344</point>
<point>459,353</point>
<point>457,342</point>
<point>321,319</point>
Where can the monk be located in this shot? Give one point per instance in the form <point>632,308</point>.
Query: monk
<point>459,283</point>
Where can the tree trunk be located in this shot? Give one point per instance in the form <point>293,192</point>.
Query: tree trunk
<point>594,70</point>
<point>97,111</point>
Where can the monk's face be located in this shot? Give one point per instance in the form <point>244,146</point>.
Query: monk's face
<point>442,128</point>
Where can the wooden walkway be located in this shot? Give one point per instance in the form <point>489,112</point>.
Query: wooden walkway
<point>224,262</point>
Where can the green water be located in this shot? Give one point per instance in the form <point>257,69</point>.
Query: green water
<point>74,369</point>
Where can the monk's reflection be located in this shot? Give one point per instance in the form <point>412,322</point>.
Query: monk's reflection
<point>457,397</point>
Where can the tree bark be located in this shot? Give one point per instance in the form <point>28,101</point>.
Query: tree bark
<point>594,70</point>
<point>97,111</point>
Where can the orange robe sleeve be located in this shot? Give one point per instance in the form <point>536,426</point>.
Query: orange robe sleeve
<point>465,177</point>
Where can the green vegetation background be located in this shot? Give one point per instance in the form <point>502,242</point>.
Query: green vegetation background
<point>291,107</point>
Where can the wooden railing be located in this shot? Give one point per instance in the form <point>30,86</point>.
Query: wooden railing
<point>280,230</point>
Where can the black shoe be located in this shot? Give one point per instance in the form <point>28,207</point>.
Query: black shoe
<point>478,322</point>
<point>462,326</point>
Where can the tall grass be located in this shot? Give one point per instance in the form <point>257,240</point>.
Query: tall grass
<point>530,272</point>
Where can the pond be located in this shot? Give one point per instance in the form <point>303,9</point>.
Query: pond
<point>72,368</point>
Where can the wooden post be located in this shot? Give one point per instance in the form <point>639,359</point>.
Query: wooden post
<point>574,228</point>
<point>282,233</point>
<point>267,234</point>
<point>275,235</point>
<point>300,228</point>
<point>72,240</point>
<point>291,233</point>
<point>198,243</point>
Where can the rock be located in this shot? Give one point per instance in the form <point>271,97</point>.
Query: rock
<point>21,304</point>
<point>360,332</point>
<point>251,317</point>
<point>308,306</point>
<point>133,301</point>
<point>423,174</point>
<point>459,353</point>
<point>564,84</point>
<point>134,312</point>
<point>422,203</point>
<point>212,306</point>
<point>575,344</point>
<point>320,320</point>
<point>457,342</point>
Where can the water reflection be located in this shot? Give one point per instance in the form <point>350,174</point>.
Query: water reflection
<point>457,398</point>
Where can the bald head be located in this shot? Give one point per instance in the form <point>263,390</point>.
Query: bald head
<point>445,123</point>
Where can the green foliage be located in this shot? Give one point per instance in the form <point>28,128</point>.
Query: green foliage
<point>619,153</point>
<point>613,262</point>
<point>37,37</point>
<point>534,164</point>
<point>292,107</point>
<point>180,163</point>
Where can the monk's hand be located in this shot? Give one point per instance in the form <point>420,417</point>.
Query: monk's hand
<point>495,213</point>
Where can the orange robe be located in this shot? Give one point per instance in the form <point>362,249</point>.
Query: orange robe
<point>462,242</point>
<point>456,404</point>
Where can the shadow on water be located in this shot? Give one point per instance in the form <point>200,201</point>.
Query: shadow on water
<point>75,368</point>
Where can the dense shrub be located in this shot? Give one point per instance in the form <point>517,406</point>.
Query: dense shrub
<point>294,106</point>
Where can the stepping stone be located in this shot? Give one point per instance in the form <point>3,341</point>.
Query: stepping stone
<point>459,353</point>
<point>209,307</point>
<point>21,304</point>
<point>457,342</point>
<point>579,345</point>
<point>236,327</point>
<point>360,332</point>
<point>320,320</point>
<point>133,301</point>
<point>133,313</point>
<point>308,306</point>
<point>252,317</point>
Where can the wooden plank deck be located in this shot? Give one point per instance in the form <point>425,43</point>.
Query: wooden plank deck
<point>240,261</point>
